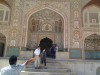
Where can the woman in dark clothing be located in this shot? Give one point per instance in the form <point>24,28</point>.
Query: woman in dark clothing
<point>52,51</point>
<point>43,58</point>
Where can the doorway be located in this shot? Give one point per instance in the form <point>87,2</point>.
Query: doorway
<point>46,43</point>
<point>1,49</point>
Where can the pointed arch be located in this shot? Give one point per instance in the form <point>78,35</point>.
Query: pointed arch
<point>5,3</point>
<point>92,2</point>
<point>34,10</point>
<point>92,47</point>
<point>90,14</point>
<point>4,14</point>
<point>47,18</point>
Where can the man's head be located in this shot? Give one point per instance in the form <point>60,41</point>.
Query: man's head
<point>12,60</point>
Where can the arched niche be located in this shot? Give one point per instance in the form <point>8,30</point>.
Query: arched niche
<point>45,23</point>
<point>91,14</point>
<point>92,47</point>
<point>4,14</point>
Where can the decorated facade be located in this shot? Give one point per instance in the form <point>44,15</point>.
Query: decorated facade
<point>73,25</point>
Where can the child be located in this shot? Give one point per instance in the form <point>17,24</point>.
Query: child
<point>43,58</point>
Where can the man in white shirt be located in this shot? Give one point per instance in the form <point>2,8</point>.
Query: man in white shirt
<point>14,69</point>
<point>37,56</point>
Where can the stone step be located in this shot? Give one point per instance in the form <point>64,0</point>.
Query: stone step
<point>54,67</point>
<point>51,60</point>
<point>47,70</point>
<point>48,64</point>
<point>43,73</point>
<point>49,67</point>
<point>60,74</point>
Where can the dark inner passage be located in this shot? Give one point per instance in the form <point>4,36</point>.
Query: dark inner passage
<point>1,49</point>
<point>46,43</point>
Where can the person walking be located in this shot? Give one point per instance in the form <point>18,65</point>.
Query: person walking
<point>14,69</point>
<point>37,56</point>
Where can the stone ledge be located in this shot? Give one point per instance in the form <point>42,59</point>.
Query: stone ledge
<point>44,73</point>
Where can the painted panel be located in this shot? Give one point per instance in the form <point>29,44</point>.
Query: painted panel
<point>92,54</point>
<point>97,54</point>
<point>13,51</point>
<point>75,54</point>
<point>89,54</point>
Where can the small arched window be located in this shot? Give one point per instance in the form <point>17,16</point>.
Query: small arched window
<point>4,14</point>
<point>91,16</point>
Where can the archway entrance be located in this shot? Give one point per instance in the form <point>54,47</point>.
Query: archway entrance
<point>46,43</point>
<point>45,23</point>
<point>2,44</point>
<point>92,47</point>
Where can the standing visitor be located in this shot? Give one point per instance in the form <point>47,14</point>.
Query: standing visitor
<point>34,47</point>
<point>43,58</point>
<point>14,69</point>
<point>37,56</point>
<point>52,51</point>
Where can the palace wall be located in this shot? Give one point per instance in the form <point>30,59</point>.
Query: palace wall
<point>17,31</point>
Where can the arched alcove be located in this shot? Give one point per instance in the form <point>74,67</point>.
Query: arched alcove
<point>91,14</point>
<point>4,14</point>
<point>45,23</point>
<point>92,47</point>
